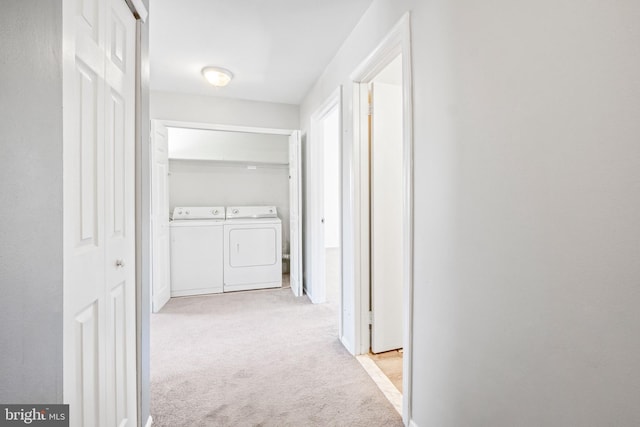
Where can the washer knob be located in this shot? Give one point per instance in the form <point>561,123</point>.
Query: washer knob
<point>187,212</point>
<point>235,211</point>
<point>215,211</point>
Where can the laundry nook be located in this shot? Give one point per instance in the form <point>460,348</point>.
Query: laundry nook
<point>222,200</point>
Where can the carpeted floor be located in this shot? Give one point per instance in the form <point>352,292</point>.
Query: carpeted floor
<point>258,358</point>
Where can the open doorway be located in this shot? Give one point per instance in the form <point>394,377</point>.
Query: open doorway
<point>382,206</point>
<point>385,233</point>
<point>324,204</point>
<point>259,168</point>
<point>331,205</point>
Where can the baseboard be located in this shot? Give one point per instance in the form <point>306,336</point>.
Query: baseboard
<point>347,345</point>
<point>253,286</point>
<point>149,422</point>
<point>314,300</point>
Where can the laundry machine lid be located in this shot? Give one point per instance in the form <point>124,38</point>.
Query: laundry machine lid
<point>247,212</point>
<point>198,213</point>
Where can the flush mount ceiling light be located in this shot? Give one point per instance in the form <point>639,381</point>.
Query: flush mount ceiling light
<point>217,76</point>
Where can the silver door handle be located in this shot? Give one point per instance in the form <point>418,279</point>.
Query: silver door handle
<point>119,263</point>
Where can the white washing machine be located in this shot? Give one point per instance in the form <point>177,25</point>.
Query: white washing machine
<point>253,248</point>
<point>197,250</point>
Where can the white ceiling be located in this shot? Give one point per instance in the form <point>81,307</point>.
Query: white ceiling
<point>275,48</point>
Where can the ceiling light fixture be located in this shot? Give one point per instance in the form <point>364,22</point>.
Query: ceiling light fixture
<point>217,76</point>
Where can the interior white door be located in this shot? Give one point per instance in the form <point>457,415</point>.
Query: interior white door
<point>121,396</point>
<point>160,233</point>
<point>316,285</point>
<point>386,221</point>
<point>99,317</point>
<point>295,207</point>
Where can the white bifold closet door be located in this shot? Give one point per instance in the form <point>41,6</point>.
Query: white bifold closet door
<point>160,231</point>
<point>99,40</point>
<point>295,209</point>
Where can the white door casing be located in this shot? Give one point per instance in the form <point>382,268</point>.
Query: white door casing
<point>99,322</point>
<point>356,227</point>
<point>386,194</point>
<point>160,232</point>
<point>295,208</point>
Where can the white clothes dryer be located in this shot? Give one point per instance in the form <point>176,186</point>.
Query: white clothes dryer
<point>252,248</point>
<point>197,250</point>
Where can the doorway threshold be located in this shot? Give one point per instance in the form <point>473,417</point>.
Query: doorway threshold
<point>385,385</point>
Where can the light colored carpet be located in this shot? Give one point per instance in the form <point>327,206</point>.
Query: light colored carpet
<point>258,358</point>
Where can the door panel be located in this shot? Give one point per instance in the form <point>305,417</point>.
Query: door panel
<point>120,214</point>
<point>386,222</point>
<point>89,147</point>
<point>89,13</point>
<point>87,376</point>
<point>99,213</point>
<point>117,163</point>
<point>118,344</point>
<point>83,213</point>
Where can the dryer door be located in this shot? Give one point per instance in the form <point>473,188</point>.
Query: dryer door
<point>252,256</point>
<point>252,247</point>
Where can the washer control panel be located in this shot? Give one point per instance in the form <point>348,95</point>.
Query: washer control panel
<point>198,212</point>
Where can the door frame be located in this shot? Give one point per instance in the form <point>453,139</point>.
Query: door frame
<point>316,276</point>
<point>397,41</point>
<point>143,210</point>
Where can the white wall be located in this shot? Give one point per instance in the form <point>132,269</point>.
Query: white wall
<point>31,267</point>
<point>223,111</point>
<point>234,146</point>
<point>527,199</point>
<point>331,135</point>
<point>202,183</point>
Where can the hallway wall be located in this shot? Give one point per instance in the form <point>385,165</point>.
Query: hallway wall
<point>31,196</point>
<point>223,111</point>
<point>527,199</point>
